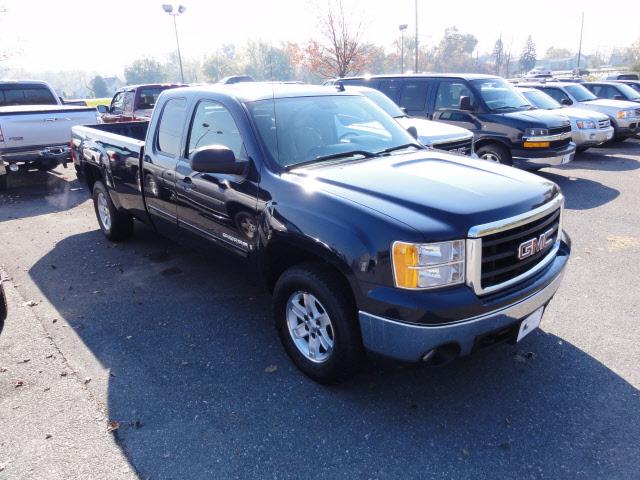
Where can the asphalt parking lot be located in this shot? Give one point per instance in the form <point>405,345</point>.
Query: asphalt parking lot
<point>178,347</point>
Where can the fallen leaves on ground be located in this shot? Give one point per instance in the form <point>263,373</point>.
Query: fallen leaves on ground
<point>19,383</point>
<point>271,368</point>
<point>30,303</point>
<point>112,426</point>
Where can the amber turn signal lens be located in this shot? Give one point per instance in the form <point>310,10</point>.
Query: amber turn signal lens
<point>405,256</point>
<point>536,144</point>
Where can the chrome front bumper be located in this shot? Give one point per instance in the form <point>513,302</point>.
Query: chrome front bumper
<point>593,136</point>
<point>409,342</point>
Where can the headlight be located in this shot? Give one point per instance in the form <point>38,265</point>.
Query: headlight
<point>586,124</point>
<point>428,265</point>
<point>536,132</point>
<point>626,114</point>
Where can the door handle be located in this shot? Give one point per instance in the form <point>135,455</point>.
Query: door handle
<point>187,180</point>
<point>188,184</point>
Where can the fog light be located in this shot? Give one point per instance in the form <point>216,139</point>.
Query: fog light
<point>14,167</point>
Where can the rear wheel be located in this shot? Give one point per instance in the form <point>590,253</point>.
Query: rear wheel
<point>3,181</point>
<point>317,323</point>
<point>115,225</point>
<point>495,153</point>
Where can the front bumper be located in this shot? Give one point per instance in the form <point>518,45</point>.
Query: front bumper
<point>626,127</point>
<point>409,342</point>
<point>531,159</point>
<point>591,137</point>
<point>409,324</point>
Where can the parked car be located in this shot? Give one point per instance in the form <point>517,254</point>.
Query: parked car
<point>624,115</point>
<point>230,80</point>
<point>35,126</point>
<point>432,134</point>
<point>372,242</point>
<point>506,126</point>
<point>588,128</point>
<point>624,76</point>
<point>133,103</point>
<point>635,84</point>
<point>613,91</point>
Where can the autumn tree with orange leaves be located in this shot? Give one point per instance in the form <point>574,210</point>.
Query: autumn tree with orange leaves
<point>339,50</point>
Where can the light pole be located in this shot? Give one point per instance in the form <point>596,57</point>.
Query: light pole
<point>168,8</point>
<point>416,5</point>
<point>402,28</point>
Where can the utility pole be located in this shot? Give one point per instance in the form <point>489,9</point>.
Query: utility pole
<point>580,46</point>
<point>417,49</point>
<point>402,28</point>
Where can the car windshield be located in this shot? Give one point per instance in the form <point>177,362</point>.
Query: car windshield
<point>580,93</point>
<point>500,95</point>
<point>628,92</point>
<point>303,129</point>
<point>541,100</point>
<point>383,102</point>
<point>635,86</point>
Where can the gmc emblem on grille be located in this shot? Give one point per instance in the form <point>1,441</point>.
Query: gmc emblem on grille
<point>535,245</point>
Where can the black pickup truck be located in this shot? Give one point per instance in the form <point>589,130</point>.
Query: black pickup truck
<point>367,240</point>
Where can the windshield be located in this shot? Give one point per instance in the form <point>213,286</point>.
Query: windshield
<point>628,92</point>
<point>300,129</point>
<point>580,93</point>
<point>635,86</point>
<point>541,100</point>
<point>383,102</point>
<point>500,95</point>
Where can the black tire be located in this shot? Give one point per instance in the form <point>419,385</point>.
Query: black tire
<point>46,167</point>
<point>581,149</point>
<point>347,355</point>
<point>3,181</point>
<point>497,151</point>
<point>121,223</point>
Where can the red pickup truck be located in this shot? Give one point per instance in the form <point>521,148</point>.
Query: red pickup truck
<point>133,103</point>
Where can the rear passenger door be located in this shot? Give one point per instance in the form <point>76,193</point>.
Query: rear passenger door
<point>159,164</point>
<point>447,104</point>
<point>413,97</point>
<point>216,207</point>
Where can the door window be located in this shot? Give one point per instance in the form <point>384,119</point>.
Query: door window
<point>117,103</point>
<point>414,95</point>
<point>449,94</point>
<point>556,94</point>
<point>128,102</point>
<point>170,127</point>
<point>391,88</point>
<point>213,125</point>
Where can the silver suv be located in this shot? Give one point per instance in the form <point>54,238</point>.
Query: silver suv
<point>624,115</point>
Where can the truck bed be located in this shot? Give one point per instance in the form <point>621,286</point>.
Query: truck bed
<point>131,130</point>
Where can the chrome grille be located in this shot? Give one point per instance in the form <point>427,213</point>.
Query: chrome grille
<point>492,250</point>
<point>604,123</point>
<point>460,146</point>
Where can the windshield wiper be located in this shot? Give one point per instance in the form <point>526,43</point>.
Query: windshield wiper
<point>323,158</point>
<point>505,107</point>
<point>401,147</point>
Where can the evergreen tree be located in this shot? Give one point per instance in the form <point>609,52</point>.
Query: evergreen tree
<point>528,57</point>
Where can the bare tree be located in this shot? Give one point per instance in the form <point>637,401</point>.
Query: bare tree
<point>340,51</point>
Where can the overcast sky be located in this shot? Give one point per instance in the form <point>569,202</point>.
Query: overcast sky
<point>103,36</point>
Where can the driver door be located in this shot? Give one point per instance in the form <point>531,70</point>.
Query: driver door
<point>447,105</point>
<point>216,207</point>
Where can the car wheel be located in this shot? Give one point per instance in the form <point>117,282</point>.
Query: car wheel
<point>116,225</point>
<point>317,323</point>
<point>581,149</point>
<point>495,153</point>
<point>3,181</point>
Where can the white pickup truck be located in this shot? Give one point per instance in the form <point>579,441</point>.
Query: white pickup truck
<point>35,127</point>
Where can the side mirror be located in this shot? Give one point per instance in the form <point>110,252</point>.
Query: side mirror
<point>465,103</point>
<point>216,159</point>
<point>566,102</point>
<point>413,131</point>
<point>618,97</point>
<point>102,108</point>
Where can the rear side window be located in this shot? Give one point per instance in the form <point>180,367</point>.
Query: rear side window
<point>128,102</point>
<point>414,95</point>
<point>391,88</point>
<point>170,127</point>
<point>25,95</point>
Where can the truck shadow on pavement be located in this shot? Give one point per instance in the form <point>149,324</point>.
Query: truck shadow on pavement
<point>58,192</point>
<point>581,193</point>
<point>194,358</point>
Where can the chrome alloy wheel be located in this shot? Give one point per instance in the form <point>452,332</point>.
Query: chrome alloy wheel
<point>310,327</point>
<point>491,157</point>
<point>103,211</point>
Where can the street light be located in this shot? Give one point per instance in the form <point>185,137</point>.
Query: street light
<point>402,28</point>
<point>168,8</point>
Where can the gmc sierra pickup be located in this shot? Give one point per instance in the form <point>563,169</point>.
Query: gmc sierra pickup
<point>368,240</point>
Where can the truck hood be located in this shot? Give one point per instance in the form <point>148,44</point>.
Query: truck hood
<point>431,191</point>
<point>537,118</point>
<point>617,104</point>
<point>575,113</point>
<point>433,133</point>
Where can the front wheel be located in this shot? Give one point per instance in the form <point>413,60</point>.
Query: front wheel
<point>115,225</point>
<point>317,323</point>
<point>495,153</point>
